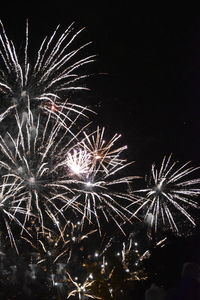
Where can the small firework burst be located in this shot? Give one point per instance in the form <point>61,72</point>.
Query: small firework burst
<point>32,155</point>
<point>78,161</point>
<point>82,290</point>
<point>95,167</point>
<point>169,194</point>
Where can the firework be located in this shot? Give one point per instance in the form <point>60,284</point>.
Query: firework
<point>56,245</point>
<point>104,153</point>
<point>11,210</point>
<point>169,194</point>
<point>96,167</point>
<point>53,72</point>
<point>82,289</point>
<point>94,155</point>
<point>32,155</point>
<point>61,172</point>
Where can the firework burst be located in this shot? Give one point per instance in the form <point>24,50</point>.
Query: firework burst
<point>58,169</point>
<point>32,155</point>
<point>53,72</point>
<point>61,172</point>
<point>104,153</point>
<point>96,167</point>
<point>169,194</point>
<point>82,290</point>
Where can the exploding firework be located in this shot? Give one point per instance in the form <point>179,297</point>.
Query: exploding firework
<point>53,72</point>
<point>169,194</point>
<point>96,165</point>
<point>82,290</point>
<point>61,172</point>
<point>32,155</point>
<point>57,168</point>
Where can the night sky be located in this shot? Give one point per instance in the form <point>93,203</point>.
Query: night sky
<point>147,82</point>
<point>147,75</point>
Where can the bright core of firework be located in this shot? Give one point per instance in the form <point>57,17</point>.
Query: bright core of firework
<point>104,153</point>
<point>78,161</point>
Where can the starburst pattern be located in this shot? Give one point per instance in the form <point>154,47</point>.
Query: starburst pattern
<point>105,155</point>
<point>97,167</point>
<point>82,289</point>
<point>33,155</point>
<point>53,72</point>
<point>60,174</point>
<point>169,194</point>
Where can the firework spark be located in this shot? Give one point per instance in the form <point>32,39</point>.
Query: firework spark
<point>32,156</point>
<point>82,290</point>
<point>11,210</point>
<point>104,153</point>
<point>168,194</point>
<point>53,72</point>
<point>97,188</point>
<point>56,168</point>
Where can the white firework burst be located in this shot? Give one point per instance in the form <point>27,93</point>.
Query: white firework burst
<point>58,169</point>
<point>95,154</point>
<point>53,72</point>
<point>97,184</point>
<point>78,161</point>
<point>33,155</point>
<point>169,194</point>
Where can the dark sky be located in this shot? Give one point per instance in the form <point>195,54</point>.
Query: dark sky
<point>151,93</point>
